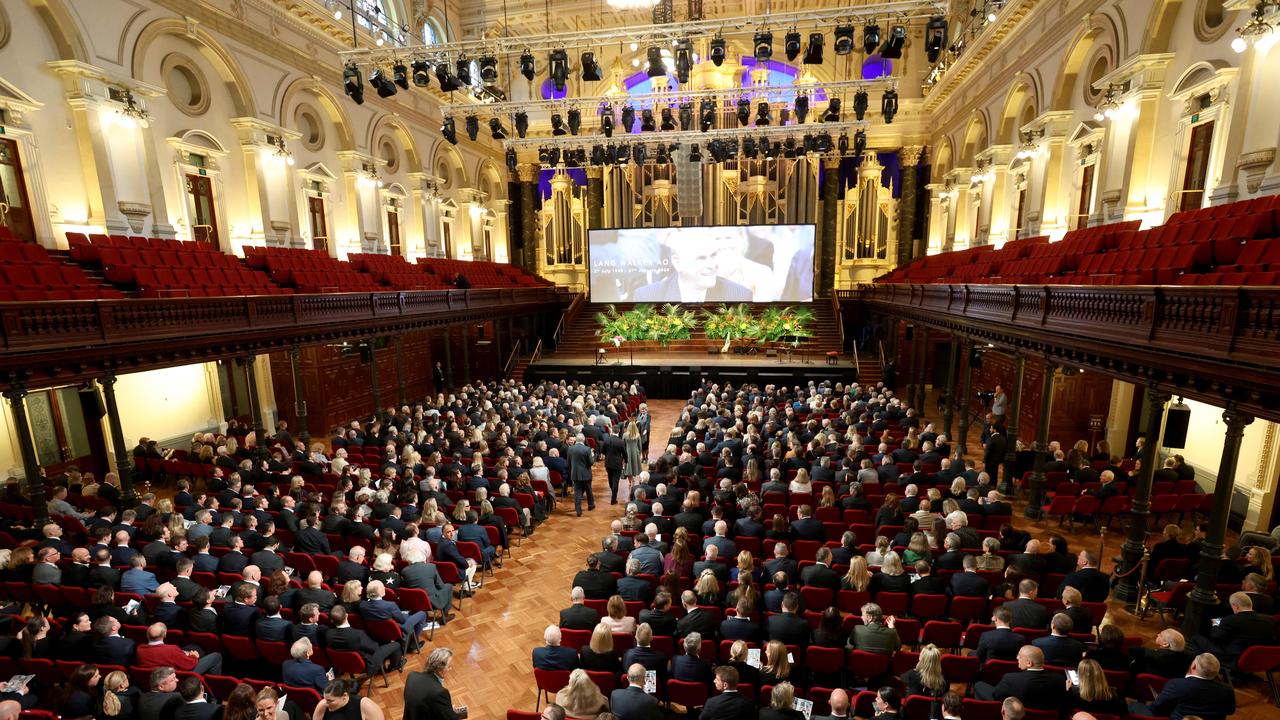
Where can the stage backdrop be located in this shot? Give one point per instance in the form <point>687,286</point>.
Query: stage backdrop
<point>740,263</point>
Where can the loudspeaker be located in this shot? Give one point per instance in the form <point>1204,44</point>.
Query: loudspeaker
<point>975,360</point>
<point>1176,421</point>
<point>91,402</point>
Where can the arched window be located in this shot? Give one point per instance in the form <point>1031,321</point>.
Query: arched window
<point>430,35</point>
<point>376,14</point>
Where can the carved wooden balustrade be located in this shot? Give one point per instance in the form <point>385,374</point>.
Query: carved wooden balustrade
<point>1214,343</point>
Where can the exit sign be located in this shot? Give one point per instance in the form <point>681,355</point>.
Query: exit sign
<point>203,172</point>
<point>1195,118</point>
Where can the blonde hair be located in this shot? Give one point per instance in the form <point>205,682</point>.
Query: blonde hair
<point>828,497</point>
<point>783,695</point>
<point>738,651</point>
<point>776,660</point>
<point>581,692</point>
<point>919,545</point>
<point>802,477</point>
<point>111,684</point>
<point>602,639</point>
<point>351,591</point>
<point>707,584</point>
<point>858,577</point>
<point>892,564</point>
<point>930,668</point>
<point>746,563</point>
<point>1093,682</point>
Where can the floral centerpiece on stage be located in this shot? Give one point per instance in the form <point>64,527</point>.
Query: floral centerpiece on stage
<point>645,322</point>
<point>730,323</point>
<point>788,322</point>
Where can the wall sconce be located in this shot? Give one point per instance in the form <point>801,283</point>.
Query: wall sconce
<point>1030,144</point>
<point>282,153</point>
<point>131,115</point>
<point>1257,32</point>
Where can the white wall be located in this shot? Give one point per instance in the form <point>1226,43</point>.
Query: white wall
<point>1204,452</point>
<point>168,403</point>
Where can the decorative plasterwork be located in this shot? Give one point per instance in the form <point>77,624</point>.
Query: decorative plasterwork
<point>1140,72</point>
<point>978,52</point>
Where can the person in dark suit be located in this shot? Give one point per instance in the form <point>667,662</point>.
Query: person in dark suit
<point>1199,694</point>
<point>969,583</point>
<point>271,627</point>
<point>740,626</point>
<point>644,654</point>
<point>632,702</point>
<point>1032,684</point>
<point>999,643</point>
<point>1237,632</point>
<point>787,626</point>
<point>422,575</point>
<point>552,655</point>
<point>300,671</point>
<point>425,696</point>
<point>1170,657</point>
<point>108,647</point>
<point>239,616</point>
<point>1025,610</point>
<point>580,458</point>
<point>578,616</point>
<point>1093,584</point>
<point>993,455</point>
<point>163,699</point>
<point>781,563</point>
<point>659,618</point>
<point>689,667</point>
<point>927,583</point>
<point>342,636</point>
<point>596,583</point>
<point>807,527</point>
<point>728,704</point>
<point>194,705</point>
<point>202,617</point>
<point>821,574</point>
<point>695,618</point>
<point>1059,649</point>
<point>615,458</point>
<point>634,588</point>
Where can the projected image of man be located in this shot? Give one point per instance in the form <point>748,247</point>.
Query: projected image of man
<point>732,264</point>
<point>692,277</point>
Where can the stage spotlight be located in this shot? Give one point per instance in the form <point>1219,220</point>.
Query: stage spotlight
<point>843,44</point>
<point>695,155</point>
<point>597,154</point>
<point>749,147</point>
<point>668,119</point>
<point>813,54</point>
<point>764,114</point>
<point>766,149</point>
<point>383,84</point>
<point>513,161</point>
<point>611,155</point>
<point>860,103</point>
<point>496,130</point>
<point>707,114</point>
<point>628,118</point>
<point>842,144</point>
<point>590,68</point>
<point>463,71</point>
<point>638,153</point>
<point>889,105</point>
<point>810,145</point>
<point>789,147</point>
<point>421,73</point>
<point>870,38</point>
<point>527,67</point>
<point>448,130</point>
<point>544,153</point>
<point>558,68</point>
<point>784,116</point>
<point>448,82</point>
<point>352,83</point>
<point>575,120</point>
<point>553,156</point>
<point>606,121</point>
<point>472,124</point>
<point>892,48</point>
<point>717,51</point>
<point>647,123</point>
<point>935,38</point>
<point>522,123</point>
<point>557,125</point>
<point>791,45</point>
<point>763,46</point>
<point>489,70</point>
<point>744,111</point>
<point>860,142</point>
<point>686,116</point>
<point>802,108</point>
<point>833,111</point>
<point>684,61</point>
<point>664,157</point>
<point>657,67</point>
<point>401,75</point>
<point>823,143</point>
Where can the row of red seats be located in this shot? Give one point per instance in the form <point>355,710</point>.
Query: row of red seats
<point>310,271</point>
<point>31,274</point>
<point>169,268</point>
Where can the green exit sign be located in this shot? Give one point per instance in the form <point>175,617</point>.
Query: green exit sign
<point>1,129</point>
<point>203,172</point>
<point>1195,118</point>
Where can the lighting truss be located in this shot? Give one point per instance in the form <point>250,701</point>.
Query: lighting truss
<point>692,136</point>
<point>902,11</point>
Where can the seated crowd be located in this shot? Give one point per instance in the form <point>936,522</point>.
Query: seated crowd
<point>284,565</point>
<point>767,555</point>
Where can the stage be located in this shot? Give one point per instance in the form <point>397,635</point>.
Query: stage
<point>674,375</point>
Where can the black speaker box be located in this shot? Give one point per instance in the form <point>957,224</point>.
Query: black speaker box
<point>1176,421</point>
<point>91,402</point>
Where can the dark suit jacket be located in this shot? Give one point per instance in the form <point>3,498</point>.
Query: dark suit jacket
<point>598,585</point>
<point>648,657</point>
<point>970,585</point>
<point>1093,584</point>
<point>554,658</point>
<point>729,706</point>
<point>1060,651</point>
<point>1027,613</point>
<point>158,705</point>
<point>999,644</point>
<point>820,576</point>
<point>239,619</point>
<point>1040,689</point>
<point>691,669</point>
<point>349,638</point>
<point>426,698</point>
<point>699,621</point>
<point>633,703</point>
<point>304,674</point>
<point>198,711</point>
<point>273,629</point>
<point>579,617</point>
<point>790,629</point>
<point>635,589</point>
<point>876,638</point>
<point>203,620</point>
<point>662,623</point>
<point>735,628</point>
<point>668,290</point>
<point>1236,633</point>
<point>115,650</point>
<point>1162,662</point>
<point>807,529</point>
<point>579,457</point>
<point>1207,699</point>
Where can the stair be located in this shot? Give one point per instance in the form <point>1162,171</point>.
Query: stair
<point>522,363</point>
<point>94,272</point>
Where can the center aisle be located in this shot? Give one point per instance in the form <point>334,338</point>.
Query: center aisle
<point>496,631</point>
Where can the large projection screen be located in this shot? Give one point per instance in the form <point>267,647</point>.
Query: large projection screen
<point>732,263</point>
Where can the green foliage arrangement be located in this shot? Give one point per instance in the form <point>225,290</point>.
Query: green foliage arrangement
<point>732,322</point>
<point>776,323</point>
<point>645,322</point>
<point>735,323</point>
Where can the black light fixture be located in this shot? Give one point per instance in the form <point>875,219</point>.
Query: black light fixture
<point>488,69</point>
<point>833,111</point>
<point>611,155</point>
<point>706,114</point>
<point>766,149</point>
<point>544,152</point>
<point>449,131</point>
<point>513,161</point>
<point>889,105</point>
<point>557,125</point>
<point>664,156</point>
<point>860,104</point>
<point>553,156</point>
<point>606,121</point>
<point>764,114</point>
<point>597,155</point>
<point>695,155</point>
<point>802,108</point>
<point>575,121</point>
<point>749,147</point>
<point>558,68</point>
<point>763,44</point>
<point>448,82</point>
<point>717,51</point>
<point>638,152</point>
<point>421,73</point>
<point>843,44</point>
<point>522,123</point>
<point>668,119</point>
<point>590,68</point>
<point>810,144</point>
<point>527,67</point>
<point>892,47</point>
<point>352,83</point>
<point>463,71</point>
<point>628,118</point>
<point>647,123</point>
<point>684,60</point>
<point>784,116</point>
<point>935,38</point>
<point>657,67</point>
<point>823,143</point>
<point>744,110</point>
<point>686,116</point>
<point>860,142</point>
<point>791,45</point>
<point>813,53</point>
<point>383,84</point>
<point>842,144</point>
<point>870,38</point>
<point>496,130</point>
<point>472,124</point>
<point>789,147</point>
<point>401,75</point>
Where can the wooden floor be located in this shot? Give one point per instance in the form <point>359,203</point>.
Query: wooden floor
<point>493,636</point>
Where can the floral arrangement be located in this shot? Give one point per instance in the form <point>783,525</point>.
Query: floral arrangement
<point>645,322</point>
<point>730,323</point>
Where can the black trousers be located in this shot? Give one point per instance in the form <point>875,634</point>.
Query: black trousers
<point>615,476</point>
<point>581,489</point>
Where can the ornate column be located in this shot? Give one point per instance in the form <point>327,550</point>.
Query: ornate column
<point>921,349</point>
<point>595,196</point>
<point>30,463</point>
<point>949,391</point>
<point>1205,595</point>
<point>373,376</point>
<point>1036,496</point>
<point>936,228</point>
<point>466,353</point>
<point>962,437</point>
<point>255,407</point>
<point>128,495</point>
<point>909,247</point>
<point>448,356</point>
<point>1135,542</point>
<point>402,396</point>
<point>299,397</point>
<point>361,228</point>
<point>267,181</point>
<point>1011,425</point>
<point>826,251</point>
<point>528,173</point>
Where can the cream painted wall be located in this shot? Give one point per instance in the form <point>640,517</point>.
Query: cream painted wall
<point>168,403</point>
<point>1257,456</point>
